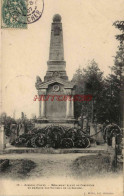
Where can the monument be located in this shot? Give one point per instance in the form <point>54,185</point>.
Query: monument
<point>52,110</point>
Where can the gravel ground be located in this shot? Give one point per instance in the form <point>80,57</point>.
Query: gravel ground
<point>23,166</point>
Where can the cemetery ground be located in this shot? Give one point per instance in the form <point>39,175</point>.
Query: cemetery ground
<point>71,165</point>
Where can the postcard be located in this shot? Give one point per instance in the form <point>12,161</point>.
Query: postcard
<point>62,90</point>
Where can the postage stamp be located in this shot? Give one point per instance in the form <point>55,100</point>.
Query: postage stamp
<point>14,14</point>
<point>20,13</point>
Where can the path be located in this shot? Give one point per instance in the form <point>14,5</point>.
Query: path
<point>47,165</point>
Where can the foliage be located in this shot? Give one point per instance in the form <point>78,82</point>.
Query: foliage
<point>117,77</point>
<point>89,81</point>
<point>120,25</point>
<point>107,92</point>
<point>9,121</point>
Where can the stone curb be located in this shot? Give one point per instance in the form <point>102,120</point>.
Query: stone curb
<point>52,151</point>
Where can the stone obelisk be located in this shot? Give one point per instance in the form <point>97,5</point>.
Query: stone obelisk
<point>56,64</point>
<point>56,83</point>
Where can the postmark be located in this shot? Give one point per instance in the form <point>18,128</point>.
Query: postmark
<point>20,13</point>
<point>34,10</point>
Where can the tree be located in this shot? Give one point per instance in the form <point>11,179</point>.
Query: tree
<point>108,93</point>
<point>120,25</point>
<point>111,99</point>
<point>78,79</point>
<point>90,81</point>
<point>3,117</point>
<point>117,78</point>
<point>7,121</point>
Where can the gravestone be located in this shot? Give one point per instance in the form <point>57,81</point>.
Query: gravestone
<point>2,138</point>
<point>99,136</point>
<point>93,130</point>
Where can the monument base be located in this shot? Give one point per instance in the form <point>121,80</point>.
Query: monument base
<point>41,123</point>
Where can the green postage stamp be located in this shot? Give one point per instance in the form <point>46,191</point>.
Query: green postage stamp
<point>20,13</point>
<point>14,14</point>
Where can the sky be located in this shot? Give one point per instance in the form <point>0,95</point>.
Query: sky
<point>88,34</point>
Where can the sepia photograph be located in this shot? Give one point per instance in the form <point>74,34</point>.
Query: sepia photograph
<point>61,97</point>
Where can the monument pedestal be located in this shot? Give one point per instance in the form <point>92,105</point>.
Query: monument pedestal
<point>67,123</point>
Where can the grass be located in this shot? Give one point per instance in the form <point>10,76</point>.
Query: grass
<point>18,169</point>
<point>94,165</point>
